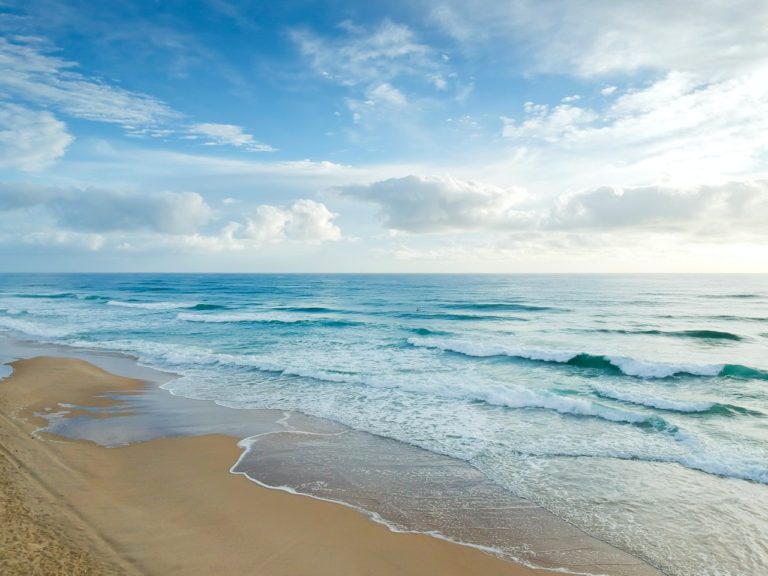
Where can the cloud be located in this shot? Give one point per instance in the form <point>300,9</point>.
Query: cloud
<point>228,134</point>
<point>422,204</point>
<point>731,209</point>
<point>305,220</point>
<point>32,74</point>
<point>97,210</point>
<point>30,140</point>
<point>544,123</point>
<point>676,128</point>
<point>363,56</point>
<point>418,204</point>
<point>721,38</point>
<point>118,219</point>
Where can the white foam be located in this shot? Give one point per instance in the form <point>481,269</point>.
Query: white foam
<point>151,305</point>
<point>652,401</point>
<point>627,365</point>
<point>282,317</point>
<point>33,328</point>
<point>646,369</point>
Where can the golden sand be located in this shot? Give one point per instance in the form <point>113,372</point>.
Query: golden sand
<point>168,506</point>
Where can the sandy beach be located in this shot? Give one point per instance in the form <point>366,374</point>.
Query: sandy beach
<point>169,506</point>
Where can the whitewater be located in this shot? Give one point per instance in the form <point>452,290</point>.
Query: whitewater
<point>634,407</point>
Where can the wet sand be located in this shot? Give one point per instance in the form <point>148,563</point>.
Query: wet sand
<point>169,506</point>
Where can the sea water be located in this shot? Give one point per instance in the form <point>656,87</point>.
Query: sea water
<point>634,407</point>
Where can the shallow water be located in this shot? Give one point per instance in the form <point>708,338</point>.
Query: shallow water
<point>634,407</point>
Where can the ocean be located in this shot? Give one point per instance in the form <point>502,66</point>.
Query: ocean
<point>633,407</point>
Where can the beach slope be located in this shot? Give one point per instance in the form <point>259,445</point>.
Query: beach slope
<point>169,506</point>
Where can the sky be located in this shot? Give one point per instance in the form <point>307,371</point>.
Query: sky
<point>415,136</point>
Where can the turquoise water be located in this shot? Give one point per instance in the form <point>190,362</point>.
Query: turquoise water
<point>635,407</point>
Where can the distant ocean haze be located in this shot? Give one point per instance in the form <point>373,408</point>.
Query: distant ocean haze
<point>635,407</point>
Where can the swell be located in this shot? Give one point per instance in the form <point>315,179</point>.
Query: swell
<point>498,307</point>
<point>672,405</point>
<point>615,365</point>
<point>54,296</point>
<point>266,318</point>
<point>697,334</point>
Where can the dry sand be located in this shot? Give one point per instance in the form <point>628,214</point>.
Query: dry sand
<point>169,506</point>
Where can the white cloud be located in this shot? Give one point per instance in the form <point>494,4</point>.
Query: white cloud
<point>544,123</point>
<point>101,211</point>
<point>363,56</point>
<point>720,38</point>
<point>34,75</point>
<point>230,135</point>
<point>305,220</point>
<point>387,94</point>
<point>30,140</point>
<point>99,219</point>
<point>729,210</point>
<point>677,129</point>
<point>438,204</point>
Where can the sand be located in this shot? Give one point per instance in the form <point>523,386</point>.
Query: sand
<point>169,506</point>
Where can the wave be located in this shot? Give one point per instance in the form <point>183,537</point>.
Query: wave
<point>701,334</point>
<point>429,332</point>
<point>499,307</point>
<point>672,405</point>
<point>308,309</point>
<point>265,318</point>
<point>151,305</point>
<point>610,364</point>
<point>202,307</point>
<point>732,318</point>
<point>516,397</point>
<point>53,296</point>
<point>458,317</point>
<point>94,297</point>
<point>33,329</point>
<point>736,296</point>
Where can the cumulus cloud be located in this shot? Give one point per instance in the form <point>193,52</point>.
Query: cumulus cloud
<point>434,204</point>
<point>439,204</point>
<point>97,210</point>
<point>30,140</point>
<point>728,209</point>
<point>97,218</point>
<point>230,135</point>
<point>304,220</point>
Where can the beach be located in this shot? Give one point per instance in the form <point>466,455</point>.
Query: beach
<point>169,505</point>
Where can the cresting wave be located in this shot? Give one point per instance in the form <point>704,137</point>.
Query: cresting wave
<point>271,317</point>
<point>671,404</point>
<point>514,397</point>
<point>610,364</point>
<point>152,305</point>
<point>700,334</point>
<point>33,329</point>
<point>499,307</point>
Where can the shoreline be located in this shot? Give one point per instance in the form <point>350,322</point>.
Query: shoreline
<point>169,505</point>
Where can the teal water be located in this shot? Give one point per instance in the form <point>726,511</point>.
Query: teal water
<point>635,407</point>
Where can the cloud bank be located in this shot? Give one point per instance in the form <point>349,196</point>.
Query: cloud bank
<point>437,204</point>
<point>418,204</point>
<point>98,218</point>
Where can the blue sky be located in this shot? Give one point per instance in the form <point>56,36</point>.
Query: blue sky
<point>477,136</point>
